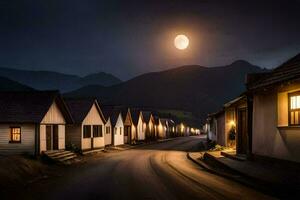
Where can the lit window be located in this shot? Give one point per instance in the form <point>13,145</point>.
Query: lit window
<point>15,135</point>
<point>87,131</point>
<point>294,118</point>
<point>97,131</point>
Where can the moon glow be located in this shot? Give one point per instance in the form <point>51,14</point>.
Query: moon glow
<point>181,42</point>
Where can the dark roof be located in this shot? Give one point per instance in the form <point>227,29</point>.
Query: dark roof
<point>79,108</point>
<point>156,120</point>
<point>112,113</point>
<point>30,107</point>
<point>146,116</point>
<point>289,70</point>
<point>135,114</point>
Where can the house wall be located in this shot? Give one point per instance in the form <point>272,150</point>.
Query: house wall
<point>27,144</point>
<point>162,130</point>
<point>61,137</point>
<point>272,137</point>
<point>107,137</point>
<point>141,130</point>
<point>221,138</point>
<point>119,132</point>
<point>93,118</point>
<point>73,135</point>
<point>53,116</point>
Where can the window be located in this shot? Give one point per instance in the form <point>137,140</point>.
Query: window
<point>116,131</point>
<point>294,109</point>
<point>107,130</point>
<point>86,131</point>
<point>15,135</point>
<point>120,130</point>
<point>97,131</point>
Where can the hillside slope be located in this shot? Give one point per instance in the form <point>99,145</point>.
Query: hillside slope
<point>192,88</point>
<point>48,80</point>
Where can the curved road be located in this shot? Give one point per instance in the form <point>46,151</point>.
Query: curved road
<point>157,171</point>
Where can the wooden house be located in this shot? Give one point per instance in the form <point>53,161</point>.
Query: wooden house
<point>114,117</point>
<point>32,122</point>
<point>275,98</point>
<point>236,133</point>
<point>129,127</point>
<point>139,124</point>
<point>87,131</point>
<point>162,128</point>
<point>149,121</point>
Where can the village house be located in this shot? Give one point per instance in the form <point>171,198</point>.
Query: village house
<point>149,121</point>
<point>129,128</point>
<point>139,125</point>
<point>87,131</point>
<point>162,128</point>
<point>32,122</point>
<point>276,112</point>
<point>236,125</point>
<point>114,117</point>
<point>171,128</point>
<point>215,127</point>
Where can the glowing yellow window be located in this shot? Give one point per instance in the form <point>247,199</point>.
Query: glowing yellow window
<point>15,134</point>
<point>294,109</point>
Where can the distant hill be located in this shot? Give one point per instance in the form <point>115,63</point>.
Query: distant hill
<point>197,89</point>
<point>48,80</point>
<point>9,85</point>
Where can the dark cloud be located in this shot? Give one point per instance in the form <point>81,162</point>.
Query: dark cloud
<point>127,38</point>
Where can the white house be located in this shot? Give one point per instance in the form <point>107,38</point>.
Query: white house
<point>87,131</point>
<point>32,122</point>
<point>108,132</point>
<point>117,124</point>
<point>276,113</point>
<point>139,124</point>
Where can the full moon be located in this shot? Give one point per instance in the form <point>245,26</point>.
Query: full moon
<point>181,42</point>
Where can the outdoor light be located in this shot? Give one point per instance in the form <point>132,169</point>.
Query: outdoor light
<point>232,123</point>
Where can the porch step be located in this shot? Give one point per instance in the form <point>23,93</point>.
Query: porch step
<point>233,155</point>
<point>61,156</point>
<point>92,151</point>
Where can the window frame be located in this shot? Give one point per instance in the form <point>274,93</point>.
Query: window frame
<point>290,110</point>
<point>11,133</point>
<point>107,130</point>
<point>99,131</point>
<point>90,135</point>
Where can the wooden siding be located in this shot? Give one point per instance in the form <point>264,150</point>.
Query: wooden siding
<point>53,116</point>
<point>141,130</point>
<point>93,118</point>
<point>61,136</point>
<point>27,144</point>
<point>119,136</point>
<point>107,137</point>
<point>73,135</point>
<point>43,138</point>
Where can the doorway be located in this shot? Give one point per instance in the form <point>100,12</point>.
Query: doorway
<point>51,137</point>
<point>242,138</point>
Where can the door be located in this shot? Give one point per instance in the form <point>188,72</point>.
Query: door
<point>242,139</point>
<point>48,138</point>
<point>55,137</point>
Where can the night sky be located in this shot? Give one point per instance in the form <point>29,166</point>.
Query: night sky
<point>127,38</point>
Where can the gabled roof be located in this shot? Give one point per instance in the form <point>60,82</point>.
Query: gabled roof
<point>30,107</point>
<point>146,116</point>
<point>288,71</point>
<point>79,108</point>
<point>135,114</point>
<point>111,113</point>
<point>236,100</point>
